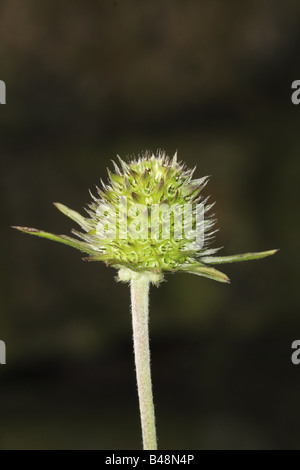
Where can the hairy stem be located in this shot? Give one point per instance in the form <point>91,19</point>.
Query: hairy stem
<point>140,320</point>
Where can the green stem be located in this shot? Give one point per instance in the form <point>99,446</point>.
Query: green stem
<point>140,320</point>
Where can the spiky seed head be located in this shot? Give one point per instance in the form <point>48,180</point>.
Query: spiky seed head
<point>136,193</point>
<point>144,221</point>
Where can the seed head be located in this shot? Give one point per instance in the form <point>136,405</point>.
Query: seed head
<point>149,219</point>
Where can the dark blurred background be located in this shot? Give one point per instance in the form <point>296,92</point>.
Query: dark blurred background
<point>89,80</point>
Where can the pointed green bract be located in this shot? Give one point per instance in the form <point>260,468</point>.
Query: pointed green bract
<point>58,238</point>
<point>237,258</point>
<point>208,272</point>
<point>73,215</point>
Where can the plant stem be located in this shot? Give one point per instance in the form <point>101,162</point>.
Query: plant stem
<point>140,320</point>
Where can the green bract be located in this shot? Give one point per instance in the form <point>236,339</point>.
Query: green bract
<point>119,227</point>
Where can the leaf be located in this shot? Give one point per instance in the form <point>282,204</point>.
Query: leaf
<point>82,246</point>
<point>73,215</point>
<point>236,258</point>
<point>205,271</point>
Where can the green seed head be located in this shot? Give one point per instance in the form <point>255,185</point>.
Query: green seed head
<point>150,219</point>
<point>137,220</point>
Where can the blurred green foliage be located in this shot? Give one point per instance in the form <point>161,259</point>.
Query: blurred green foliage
<point>89,80</point>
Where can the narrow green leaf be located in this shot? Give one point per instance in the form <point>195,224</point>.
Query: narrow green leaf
<point>236,258</point>
<point>82,246</point>
<point>205,271</point>
<point>73,215</point>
